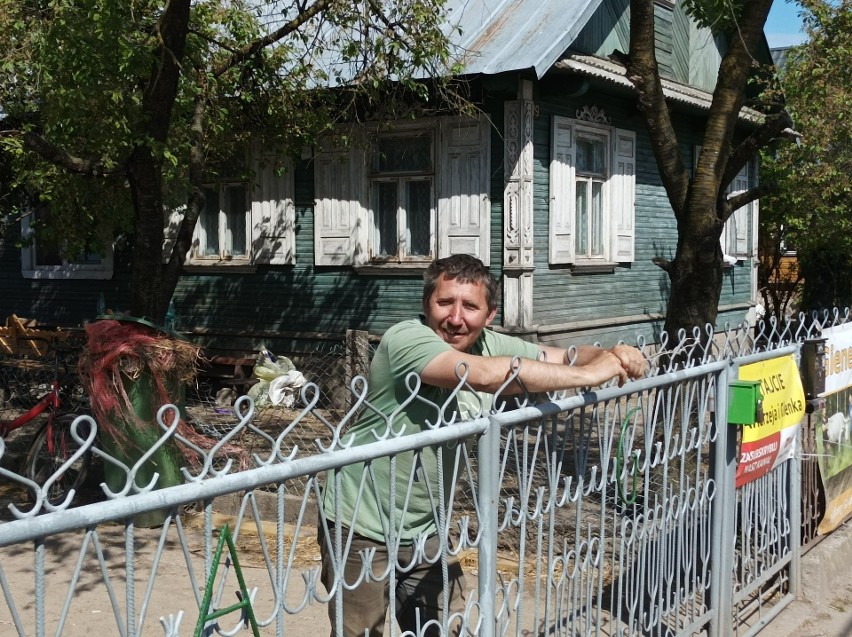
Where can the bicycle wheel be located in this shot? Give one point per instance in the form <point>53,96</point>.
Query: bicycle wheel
<point>52,445</point>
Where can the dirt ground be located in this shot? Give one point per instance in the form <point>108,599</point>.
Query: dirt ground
<point>86,607</point>
<point>176,581</point>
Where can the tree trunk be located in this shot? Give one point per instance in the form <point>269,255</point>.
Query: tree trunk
<point>695,274</point>
<point>144,176</point>
<point>699,203</point>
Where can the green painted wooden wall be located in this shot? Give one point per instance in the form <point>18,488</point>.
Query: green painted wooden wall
<point>280,305</point>
<point>639,291</point>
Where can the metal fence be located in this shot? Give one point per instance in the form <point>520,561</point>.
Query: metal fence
<point>605,512</point>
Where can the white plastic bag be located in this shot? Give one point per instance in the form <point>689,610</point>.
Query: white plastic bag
<point>282,390</point>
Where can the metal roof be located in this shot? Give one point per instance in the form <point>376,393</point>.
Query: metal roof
<point>615,73</point>
<point>779,57</point>
<point>513,35</point>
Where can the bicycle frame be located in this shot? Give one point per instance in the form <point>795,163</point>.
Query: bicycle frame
<point>53,477</point>
<point>49,401</point>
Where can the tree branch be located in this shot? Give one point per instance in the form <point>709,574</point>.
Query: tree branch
<point>729,94</point>
<point>745,198</point>
<point>195,201</point>
<point>644,74</point>
<point>392,27</point>
<point>158,96</point>
<point>663,264</point>
<point>772,127</point>
<point>59,157</point>
<point>252,49</point>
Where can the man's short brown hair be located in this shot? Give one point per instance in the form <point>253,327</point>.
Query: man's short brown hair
<point>465,268</point>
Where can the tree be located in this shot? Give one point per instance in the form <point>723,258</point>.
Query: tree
<point>811,210</point>
<point>700,202</point>
<point>116,111</point>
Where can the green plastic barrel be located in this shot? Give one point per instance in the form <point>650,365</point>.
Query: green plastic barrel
<point>137,437</point>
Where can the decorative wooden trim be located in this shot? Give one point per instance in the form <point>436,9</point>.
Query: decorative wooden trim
<point>518,248</point>
<point>594,114</point>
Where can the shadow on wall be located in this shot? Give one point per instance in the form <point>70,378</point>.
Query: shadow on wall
<point>277,300</point>
<point>62,302</point>
<point>664,285</point>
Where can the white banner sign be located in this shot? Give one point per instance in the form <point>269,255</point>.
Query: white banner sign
<point>838,358</point>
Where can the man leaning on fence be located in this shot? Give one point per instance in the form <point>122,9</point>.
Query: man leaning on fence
<point>394,551</point>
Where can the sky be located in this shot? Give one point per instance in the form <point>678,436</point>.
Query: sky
<point>783,26</point>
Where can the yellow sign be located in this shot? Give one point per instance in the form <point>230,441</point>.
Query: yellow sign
<point>783,396</point>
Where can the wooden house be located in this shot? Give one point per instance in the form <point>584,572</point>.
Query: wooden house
<point>555,187</point>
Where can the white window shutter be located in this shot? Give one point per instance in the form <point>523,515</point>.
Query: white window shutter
<point>562,197</point>
<point>739,217</point>
<point>464,205</point>
<point>340,221</point>
<point>735,234</point>
<point>171,225</point>
<point>273,213</point>
<point>623,196</point>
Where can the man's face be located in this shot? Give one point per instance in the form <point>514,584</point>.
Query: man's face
<point>458,312</point>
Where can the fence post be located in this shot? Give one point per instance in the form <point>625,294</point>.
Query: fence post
<point>724,457</point>
<point>795,484</point>
<point>357,347</point>
<point>812,370</point>
<point>488,454</point>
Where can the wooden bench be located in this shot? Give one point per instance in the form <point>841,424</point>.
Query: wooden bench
<point>228,368</point>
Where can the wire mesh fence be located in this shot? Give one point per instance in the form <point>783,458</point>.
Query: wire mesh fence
<point>326,374</point>
<point>27,375</point>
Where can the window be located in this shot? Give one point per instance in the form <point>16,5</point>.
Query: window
<point>592,192</point>
<point>735,234</point>
<point>590,179</point>
<point>43,259</point>
<point>223,223</point>
<point>403,196</point>
<point>401,184</point>
<point>735,243</point>
<point>246,220</point>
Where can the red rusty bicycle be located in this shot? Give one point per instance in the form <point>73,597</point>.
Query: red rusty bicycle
<point>53,446</point>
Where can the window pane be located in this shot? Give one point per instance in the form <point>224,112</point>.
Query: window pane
<point>597,219</point>
<point>407,153</point>
<point>591,155</point>
<point>209,235</point>
<point>53,251</point>
<point>730,233</point>
<point>385,208</point>
<point>235,220</point>
<point>418,210</point>
<point>88,257</point>
<point>47,252</point>
<point>582,226</point>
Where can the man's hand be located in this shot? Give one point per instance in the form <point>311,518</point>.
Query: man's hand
<point>602,369</point>
<point>631,360</point>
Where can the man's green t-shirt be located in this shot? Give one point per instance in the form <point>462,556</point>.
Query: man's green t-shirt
<point>405,348</point>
